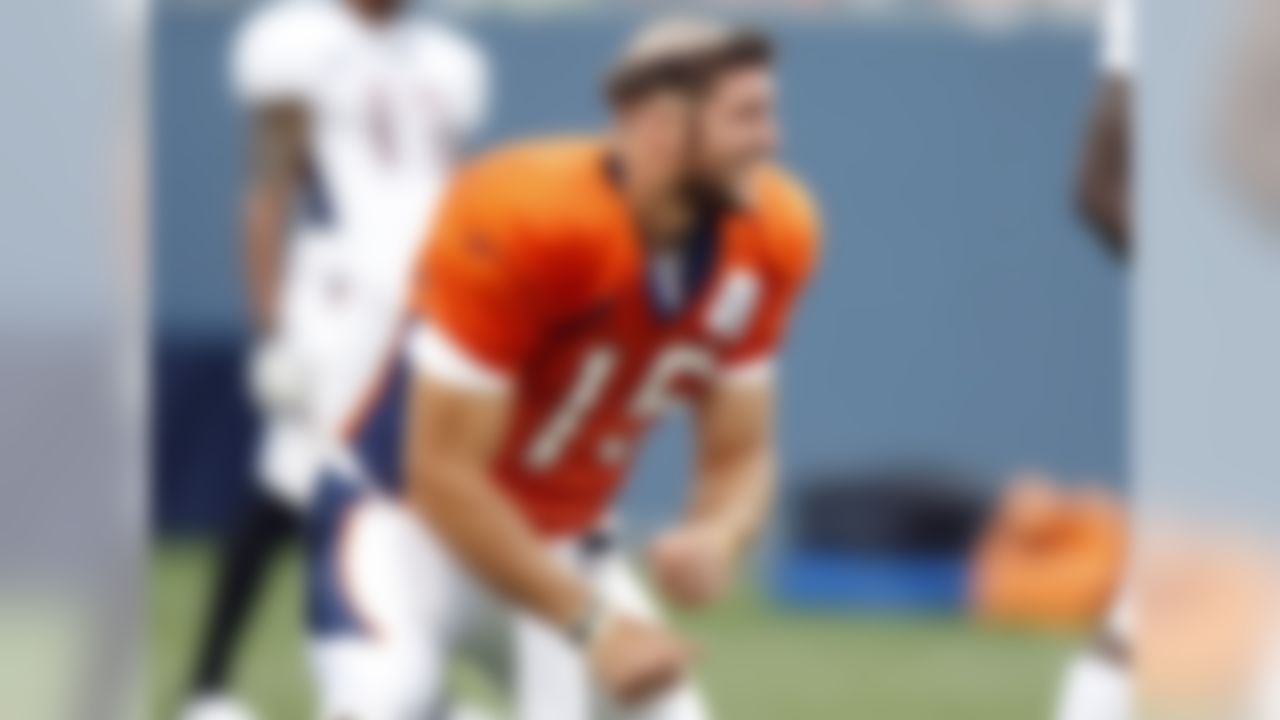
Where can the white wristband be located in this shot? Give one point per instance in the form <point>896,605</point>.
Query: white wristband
<point>589,627</point>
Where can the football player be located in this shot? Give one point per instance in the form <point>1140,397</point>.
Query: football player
<point>1097,685</point>
<point>357,111</point>
<point>576,290</point>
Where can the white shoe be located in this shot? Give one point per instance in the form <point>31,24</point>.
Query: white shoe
<point>216,707</point>
<point>463,712</point>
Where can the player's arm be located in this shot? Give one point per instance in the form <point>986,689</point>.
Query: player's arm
<point>454,435</point>
<point>468,87</point>
<point>277,163</point>
<point>736,461</point>
<point>735,468</point>
<point>733,490</point>
<point>1102,189</point>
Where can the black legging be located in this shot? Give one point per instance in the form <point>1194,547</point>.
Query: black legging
<point>246,554</point>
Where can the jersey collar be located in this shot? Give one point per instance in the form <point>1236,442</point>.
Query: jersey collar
<point>675,282</point>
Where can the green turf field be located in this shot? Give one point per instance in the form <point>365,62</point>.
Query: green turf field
<point>758,663</point>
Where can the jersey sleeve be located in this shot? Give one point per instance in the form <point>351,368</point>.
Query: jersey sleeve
<point>1119,37</point>
<point>273,55</point>
<point>466,80</point>
<point>475,294</point>
<point>793,254</point>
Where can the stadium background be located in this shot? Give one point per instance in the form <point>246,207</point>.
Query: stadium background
<point>963,318</point>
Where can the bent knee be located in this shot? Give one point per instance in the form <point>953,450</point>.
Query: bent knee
<point>365,681</point>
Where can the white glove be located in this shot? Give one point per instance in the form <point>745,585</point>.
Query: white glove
<point>279,379</point>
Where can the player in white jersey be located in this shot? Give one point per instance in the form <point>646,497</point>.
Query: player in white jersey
<point>357,112</point>
<point>380,105</point>
<point>1097,684</point>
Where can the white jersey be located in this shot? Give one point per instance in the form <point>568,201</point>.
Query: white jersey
<point>1119,37</point>
<point>389,105</point>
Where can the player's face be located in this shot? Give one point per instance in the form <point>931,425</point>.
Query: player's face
<point>737,129</point>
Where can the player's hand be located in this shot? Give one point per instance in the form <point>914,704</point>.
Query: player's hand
<point>693,564</point>
<point>637,661</point>
<point>278,378</point>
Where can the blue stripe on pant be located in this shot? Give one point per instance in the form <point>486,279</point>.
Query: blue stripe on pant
<point>377,441</point>
<point>330,609</point>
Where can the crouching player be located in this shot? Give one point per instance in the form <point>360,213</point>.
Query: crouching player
<point>573,292</point>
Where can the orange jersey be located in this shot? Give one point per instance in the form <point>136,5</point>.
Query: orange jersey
<point>537,271</point>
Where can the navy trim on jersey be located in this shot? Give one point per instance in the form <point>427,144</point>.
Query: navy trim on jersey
<point>700,252</point>
<point>329,611</point>
<point>377,442</point>
<point>698,260</point>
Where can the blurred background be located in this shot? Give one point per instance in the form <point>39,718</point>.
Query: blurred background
<point>966,328</point>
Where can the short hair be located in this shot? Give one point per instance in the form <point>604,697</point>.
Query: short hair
<point>684,56</point>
